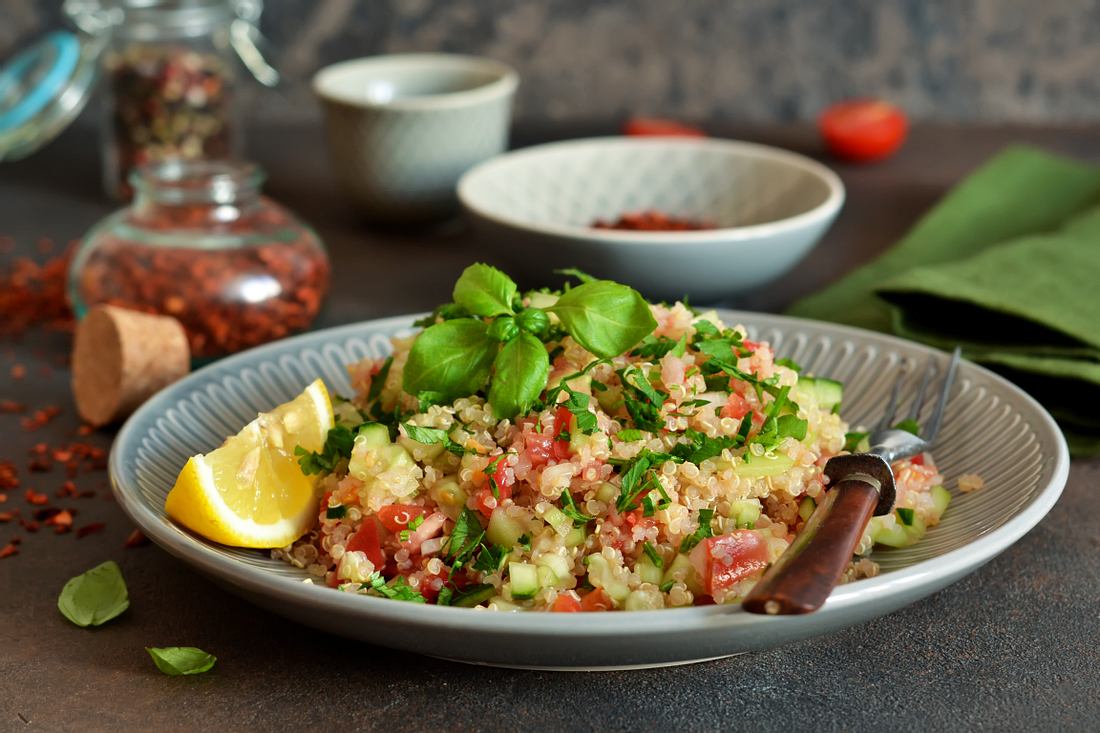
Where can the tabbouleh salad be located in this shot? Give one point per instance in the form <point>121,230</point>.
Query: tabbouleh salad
<point>579,450</point>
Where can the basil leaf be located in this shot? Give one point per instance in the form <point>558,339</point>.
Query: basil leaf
<point>485,291</point>
<point>94,597</point>
<point>452,358</point>
<point>521,370</point>
<point>177,660</point>
<point>605,317</point>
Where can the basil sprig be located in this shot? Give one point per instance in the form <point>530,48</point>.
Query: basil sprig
<point>499,349</point>
<point>94,597</point>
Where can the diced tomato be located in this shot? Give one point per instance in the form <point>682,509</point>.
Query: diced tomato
<point>863,129</point>
<point>396,517</point>
<point>917,460</point>
<point>751,345</point>
<point>486,500</point>
<point>725,560</point>
<point>653,126</point>
<point>539,447</point>
<point>369,541</point>
<point>566,603</point>
<point>596,600</point>
<point>561,425</point>
<point>736,407</point>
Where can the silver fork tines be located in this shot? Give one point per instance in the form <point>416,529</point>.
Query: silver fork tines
<point>892,442</point>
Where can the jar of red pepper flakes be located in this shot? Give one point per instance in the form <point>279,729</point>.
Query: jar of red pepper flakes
<point>170,77</point>
<point>201,244</point>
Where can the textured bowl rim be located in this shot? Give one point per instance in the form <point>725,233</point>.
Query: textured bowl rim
<point>202,555</point>
<point>505,83</point>
<point>823,212</point>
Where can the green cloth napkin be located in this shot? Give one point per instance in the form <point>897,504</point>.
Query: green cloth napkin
<point>1008,266</point>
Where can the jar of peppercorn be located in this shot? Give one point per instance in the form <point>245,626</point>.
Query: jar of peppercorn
<point>169,72</point>
<point>201,244</point>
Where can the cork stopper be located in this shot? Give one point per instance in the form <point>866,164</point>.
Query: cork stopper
<point>121,358</point>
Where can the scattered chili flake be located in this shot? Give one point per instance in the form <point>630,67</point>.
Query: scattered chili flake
<point>136,539</point>
<point>88,529</point>
<point>36,498</point>
<point>30,525</point>
<point>8,550</point>
<point>85,430</point>
<point>18,371</point>
<point>61,521</point>
<point>68,489</point>
<point>39,418</point>
<point>34,294</point>
<point>9,479</point>
<point>8,516</point>
<point>3,498</point>
<point>12,407</point>
<point>653,221</point>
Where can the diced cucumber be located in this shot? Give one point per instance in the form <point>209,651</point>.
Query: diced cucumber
<point>547,579</point>
<point>474,596</point>
<point>644,600</point>
<point>423,451</point>
<point>601,575</point>
<point>607,493</point>
<point>769,464</point>
<point>941,497</point>
<point>682,570</point>
<point>394,456</point>
<point>561,568</point>
<point>448,496</point>
<point>826,393</point>
<point>611,399</point>
<point>524,579</point>
<point>373,435</point>
<point>890,531</point>
<point>576,537</point>
<point>648,572</point>
<point>806,507</point>
<point>502,605</point>
<point>504,530</point>
<point>745,512</point>
<point>562,524</point>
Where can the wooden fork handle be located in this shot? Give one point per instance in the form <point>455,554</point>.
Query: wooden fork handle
<point>804,576</point>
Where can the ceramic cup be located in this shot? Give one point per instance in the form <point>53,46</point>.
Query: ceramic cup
<point>402,129</point>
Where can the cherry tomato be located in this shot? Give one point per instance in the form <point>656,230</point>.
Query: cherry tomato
<point>368,540</point>
<point>652,126</point>
<point>396,517</point>
<point>596,600</point>
<point>863,129</point>
<point>566,603</point>
<point>722,561</point>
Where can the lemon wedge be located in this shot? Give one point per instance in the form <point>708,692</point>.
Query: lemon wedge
<point>251,492</point>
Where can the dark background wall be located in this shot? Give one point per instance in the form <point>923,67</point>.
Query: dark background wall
<point>1018,60</point>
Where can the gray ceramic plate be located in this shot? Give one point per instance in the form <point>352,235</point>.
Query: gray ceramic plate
<point>992,428</point>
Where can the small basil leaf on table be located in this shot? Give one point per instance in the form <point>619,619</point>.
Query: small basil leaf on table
<point>94,597</point>
<point>520,373</point>
<point>485,291</point>
<point>452,358</point>
<point>178,660</point>
<point>605,317</point>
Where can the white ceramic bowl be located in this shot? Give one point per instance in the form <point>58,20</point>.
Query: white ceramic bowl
<point>534,209</point>
<point>402,129</point>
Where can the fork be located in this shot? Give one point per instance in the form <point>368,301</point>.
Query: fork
<point>862,485</point>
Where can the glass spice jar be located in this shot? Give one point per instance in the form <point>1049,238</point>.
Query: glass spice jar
<point>201,244</point>
<point>170,77</point>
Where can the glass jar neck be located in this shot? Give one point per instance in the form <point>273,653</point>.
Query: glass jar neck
<point>195,194</point>
<point>150,19</point>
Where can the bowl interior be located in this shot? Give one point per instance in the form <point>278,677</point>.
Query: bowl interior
<point>724,183</point>
<point>387,80</point>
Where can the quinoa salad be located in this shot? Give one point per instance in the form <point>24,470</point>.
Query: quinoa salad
<point>580,450</point>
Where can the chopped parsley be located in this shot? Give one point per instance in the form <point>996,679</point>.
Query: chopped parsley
<point>577,404</point>
<point>465,537</point>
<point>790,364</point>
<point>569,509</point>
<point>434,436</point>
<point>704,530</point>
<point>379,380</point>
<point>337,447</point>
<point>629,435</point>
<point>653,555</point>
<point>906,516</point>
<point>397,589</point>
<point>909,426</point>
<point>491,558</point>
<point>852,441</point>
<point>336,512</point>
<point>666,586</point>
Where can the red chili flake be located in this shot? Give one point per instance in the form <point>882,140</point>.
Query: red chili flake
<point>12,407</point>
<point>136,539</point>
<point>39,418</point>
<point>36,498</point>
<point>9,479</point>
<point>30,525</point>
<point>61,520</point>
<point>8,516</point>
<point>18,371</point>
<point>88,529</point>
<point>68,489</point>
<point>8,550</point>
<point>32,294</point>
<point>85,430</point>
<point>652,221</point>
<point>3,498</point>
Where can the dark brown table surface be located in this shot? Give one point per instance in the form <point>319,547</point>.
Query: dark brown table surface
<point>1016,645</point>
